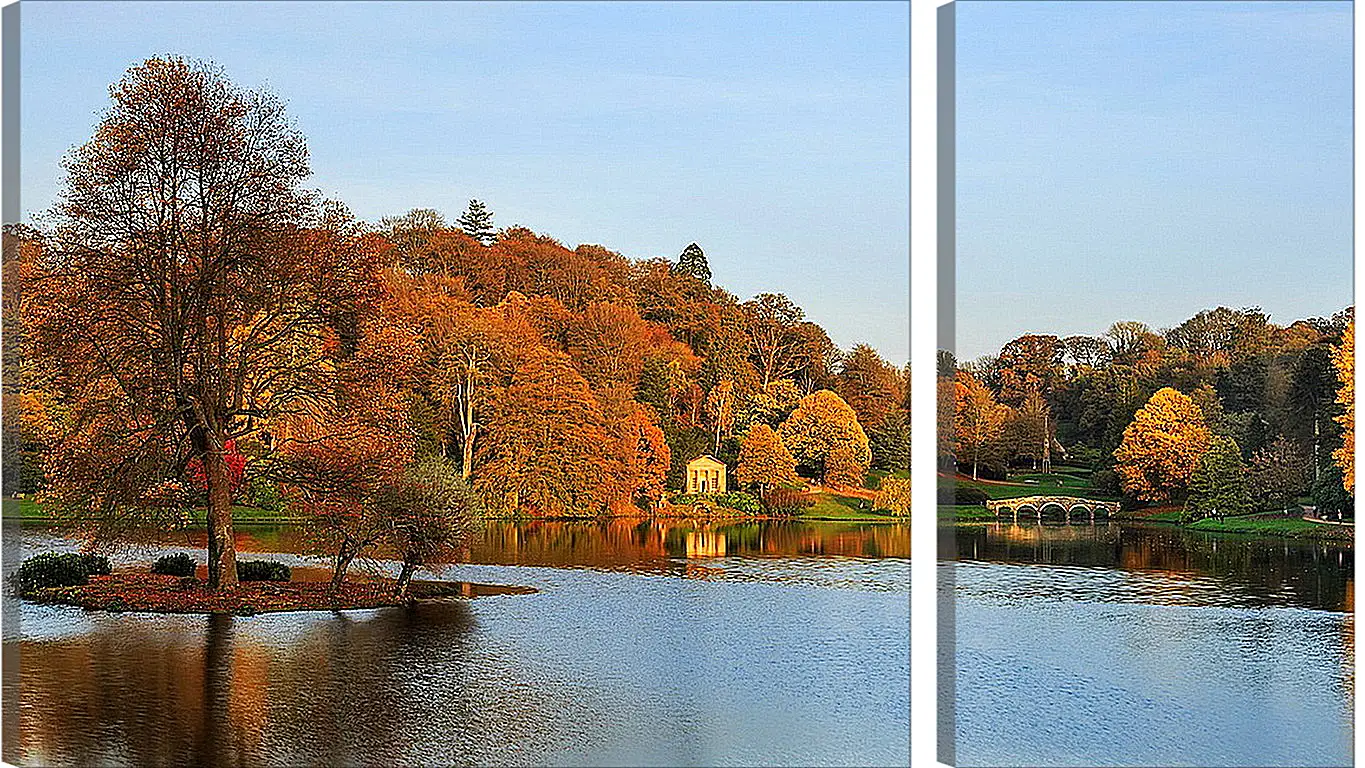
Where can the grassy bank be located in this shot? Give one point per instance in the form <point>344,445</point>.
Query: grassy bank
<point>28,509</point>
<point>828,506</point>
<point>1276,526</point>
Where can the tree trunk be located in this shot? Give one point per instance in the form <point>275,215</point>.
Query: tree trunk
<point>343,561</point>
<point>468,426</point>
<point>404,578</point>
<point>222,548</point>
<point>467,465</point>
<point>973,467</point>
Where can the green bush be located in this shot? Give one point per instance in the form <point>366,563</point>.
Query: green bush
<point>263,494</point>
<point>51,570</point>
<point>262,570</point>
<point>174,565</point>
<point>96,565</point>
<point>741,502</point>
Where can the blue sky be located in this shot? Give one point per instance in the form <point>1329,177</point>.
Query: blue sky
<point>1144,161</point>
<point>774,135</point>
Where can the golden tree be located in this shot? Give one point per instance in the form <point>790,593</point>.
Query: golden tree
<point>893,495</point>
<point>822,423</point>
<point>764,462</point>
<point>979,422</point>
<point>1343,357</point>
<point>1161,447</point>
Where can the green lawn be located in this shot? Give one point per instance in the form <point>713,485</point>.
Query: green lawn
<point>28,509</point>
<point>1261,525</point>
<point>1060,485</point>
<point>831,507</point>
<point>964,513</point>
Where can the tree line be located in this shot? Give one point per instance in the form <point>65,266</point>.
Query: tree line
<point>190,327</point>
<point>1225,413</point>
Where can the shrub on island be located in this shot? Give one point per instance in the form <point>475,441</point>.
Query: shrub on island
<point>174,565</point>
<point>262,570</point>
<point>51,569</point>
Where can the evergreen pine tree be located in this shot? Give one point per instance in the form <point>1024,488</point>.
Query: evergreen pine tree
<point>1218,487</point>
<point>693,262</point>
<point>477,222</point>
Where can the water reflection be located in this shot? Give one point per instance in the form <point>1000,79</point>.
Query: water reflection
<point>1144,645</point>
<point>639,654</point>
<point>1181,566</point>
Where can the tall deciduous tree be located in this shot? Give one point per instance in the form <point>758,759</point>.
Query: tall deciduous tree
<point>1279,474</point>
<point>979,422</point>
<point>720,406</point>
<point>1161,447</point>
<point>187,291</point>
<point>546,445</point>
<point>778,342</point>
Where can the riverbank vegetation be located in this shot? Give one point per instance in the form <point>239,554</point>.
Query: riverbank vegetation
<point>1226,417</point>
<point>190,328</point>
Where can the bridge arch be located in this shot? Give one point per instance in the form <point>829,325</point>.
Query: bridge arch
<point>1040,507</point>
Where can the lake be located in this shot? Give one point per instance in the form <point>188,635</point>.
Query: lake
<point>655,643</point>
<point>1089,645</point>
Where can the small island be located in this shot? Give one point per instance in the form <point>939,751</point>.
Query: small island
<point>152,593</point>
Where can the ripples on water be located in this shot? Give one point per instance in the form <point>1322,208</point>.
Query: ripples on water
<point>1127,646</point>
<point>631,653</point>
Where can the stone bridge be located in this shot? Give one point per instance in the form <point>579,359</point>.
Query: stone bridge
<point>1065,507</point>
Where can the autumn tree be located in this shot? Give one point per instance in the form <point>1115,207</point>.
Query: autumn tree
<point>1161,447</point>
<point>720,407</point>
<point>544,448</point>
<point>1218,486</point>
<point>893,495</point>
<point>1343,358</point>
<point>692,262</point>
<point>1030,363</point>
<point>779,343</point>
<point>186,292</point>
<point>645,456</point>
<point>824,435</point>
<point>609,344</point>
<point>477,222</point>
<point>978,422</point>
<point>764,462</point>
<point>335,455</point>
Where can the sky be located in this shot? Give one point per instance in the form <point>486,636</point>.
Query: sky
<point>1145,161</point>
<point>774,135</point>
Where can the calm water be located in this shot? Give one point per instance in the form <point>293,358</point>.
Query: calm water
<point>645,644</point>
<point>1106,645</point>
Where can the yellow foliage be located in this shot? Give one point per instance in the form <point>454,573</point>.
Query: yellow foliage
<point>822,423</point>
<point>764,462</point>
<point>1161,447</point>
<point>893,495</point>
<point>1344,358</point>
